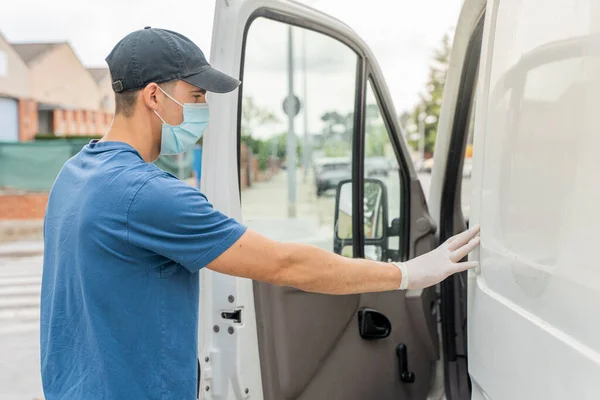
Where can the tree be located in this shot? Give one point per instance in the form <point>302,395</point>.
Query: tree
<point>429,105</point>
<point>332,119</point>
<point>253,116</point>
<point>339,128</point>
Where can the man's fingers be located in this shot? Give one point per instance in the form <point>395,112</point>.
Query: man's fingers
<point>462,252</point>
<point>460,267</point>
<point>463,238</point>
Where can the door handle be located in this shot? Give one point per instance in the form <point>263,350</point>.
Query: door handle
<point>373,324</point>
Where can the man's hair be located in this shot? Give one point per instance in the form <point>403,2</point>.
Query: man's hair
<point>125,102</point>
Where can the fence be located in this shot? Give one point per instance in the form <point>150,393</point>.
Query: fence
<point>33,166</point>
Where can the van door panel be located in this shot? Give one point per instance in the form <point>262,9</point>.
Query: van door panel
<point>309,344</point>
<point>529,308</point>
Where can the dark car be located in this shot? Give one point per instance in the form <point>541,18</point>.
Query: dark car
<point>330,172</point>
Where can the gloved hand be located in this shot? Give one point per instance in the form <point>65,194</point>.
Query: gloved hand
<point>433,267</point>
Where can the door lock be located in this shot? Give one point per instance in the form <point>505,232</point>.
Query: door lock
<point>235,316</point>
<point>405,375</point>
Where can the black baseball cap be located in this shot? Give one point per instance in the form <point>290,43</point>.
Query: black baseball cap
<point>159,55</point>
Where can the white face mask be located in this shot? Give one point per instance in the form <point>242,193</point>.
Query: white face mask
<point>180,138</point>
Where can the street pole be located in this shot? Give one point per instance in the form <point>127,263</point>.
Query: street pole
<point>306,151</point>
<point>291,137</point>
<point>422,132</point>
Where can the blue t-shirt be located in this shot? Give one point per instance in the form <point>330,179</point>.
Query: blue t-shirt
<point>124,242</point>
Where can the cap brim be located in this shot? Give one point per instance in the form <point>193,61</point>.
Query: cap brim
<point>212,80</point>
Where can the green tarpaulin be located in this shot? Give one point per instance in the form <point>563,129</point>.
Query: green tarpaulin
<point>34,165</point>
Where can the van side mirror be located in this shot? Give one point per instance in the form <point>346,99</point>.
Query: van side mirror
<point>375,218</point>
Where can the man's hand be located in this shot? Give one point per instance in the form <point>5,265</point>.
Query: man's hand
<point>433,267</point>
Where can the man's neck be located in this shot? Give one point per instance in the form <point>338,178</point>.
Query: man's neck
<point>135,134</point>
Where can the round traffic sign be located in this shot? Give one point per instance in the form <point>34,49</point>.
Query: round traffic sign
<point>291,105</point>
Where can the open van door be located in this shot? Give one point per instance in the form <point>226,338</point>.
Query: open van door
<point>311,88</point>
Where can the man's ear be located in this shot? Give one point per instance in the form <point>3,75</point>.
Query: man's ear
<point>149,96</point>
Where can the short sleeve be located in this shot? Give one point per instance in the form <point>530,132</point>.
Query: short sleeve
<point>173,219</point>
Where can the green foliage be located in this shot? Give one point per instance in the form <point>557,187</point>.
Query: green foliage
<point>376,140</point>
<point>339,128</point>
<point>335,150</point>
<point>431,100</point>
<point>252,117</point>
<point>266,149</point>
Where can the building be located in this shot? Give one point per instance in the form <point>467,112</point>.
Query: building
<point>104,81</point>
<point>16,117</point>
<point>69,99</point>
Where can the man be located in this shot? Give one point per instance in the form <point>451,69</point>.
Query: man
<point>124,241</point>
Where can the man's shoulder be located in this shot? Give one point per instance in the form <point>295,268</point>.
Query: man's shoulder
<point>134,177</point>
<point>166,188</point>
<point>165,197</point>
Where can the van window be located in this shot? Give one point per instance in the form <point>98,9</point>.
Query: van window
<point>282,199</point>
<point>381,163</point>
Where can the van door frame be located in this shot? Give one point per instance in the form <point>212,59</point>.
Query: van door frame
<point>453,290</point>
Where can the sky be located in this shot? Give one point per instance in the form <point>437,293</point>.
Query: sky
<point>402,34</point>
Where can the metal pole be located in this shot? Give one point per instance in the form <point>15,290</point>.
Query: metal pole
<point>422,132</point>
<point>305,148</point>
<point>291,137</point>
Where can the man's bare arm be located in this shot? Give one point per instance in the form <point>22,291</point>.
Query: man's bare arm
<point>312,269</point>
<point>305,267</point>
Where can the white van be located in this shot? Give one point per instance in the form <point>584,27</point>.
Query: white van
<point>530,312</point>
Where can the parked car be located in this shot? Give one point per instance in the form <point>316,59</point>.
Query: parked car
<point>331,171</point>
<point>377,166</point>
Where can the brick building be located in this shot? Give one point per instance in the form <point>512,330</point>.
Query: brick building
<point>14,90</point>
<point>44,88</point>
<point>104,82</point>
<point>69,99</point>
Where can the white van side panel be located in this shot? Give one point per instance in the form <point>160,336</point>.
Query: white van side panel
<point>534,331</point>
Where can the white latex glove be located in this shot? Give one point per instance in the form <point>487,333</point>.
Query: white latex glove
<point>433,267</point>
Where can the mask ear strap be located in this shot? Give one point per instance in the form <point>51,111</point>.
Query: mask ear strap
<point>169,96</point>
<point>163,121</point>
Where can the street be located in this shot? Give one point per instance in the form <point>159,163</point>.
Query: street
<point>19,328</point>
<point>264,209</point>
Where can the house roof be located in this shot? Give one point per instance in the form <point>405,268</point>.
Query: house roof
<point>31,51</point>
<point>98,73</point>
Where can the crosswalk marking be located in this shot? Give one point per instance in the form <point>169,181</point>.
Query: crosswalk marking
<point>20,285</point>
<point>19,290</point>
<point>20,280</point>
<point>22,314</point>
